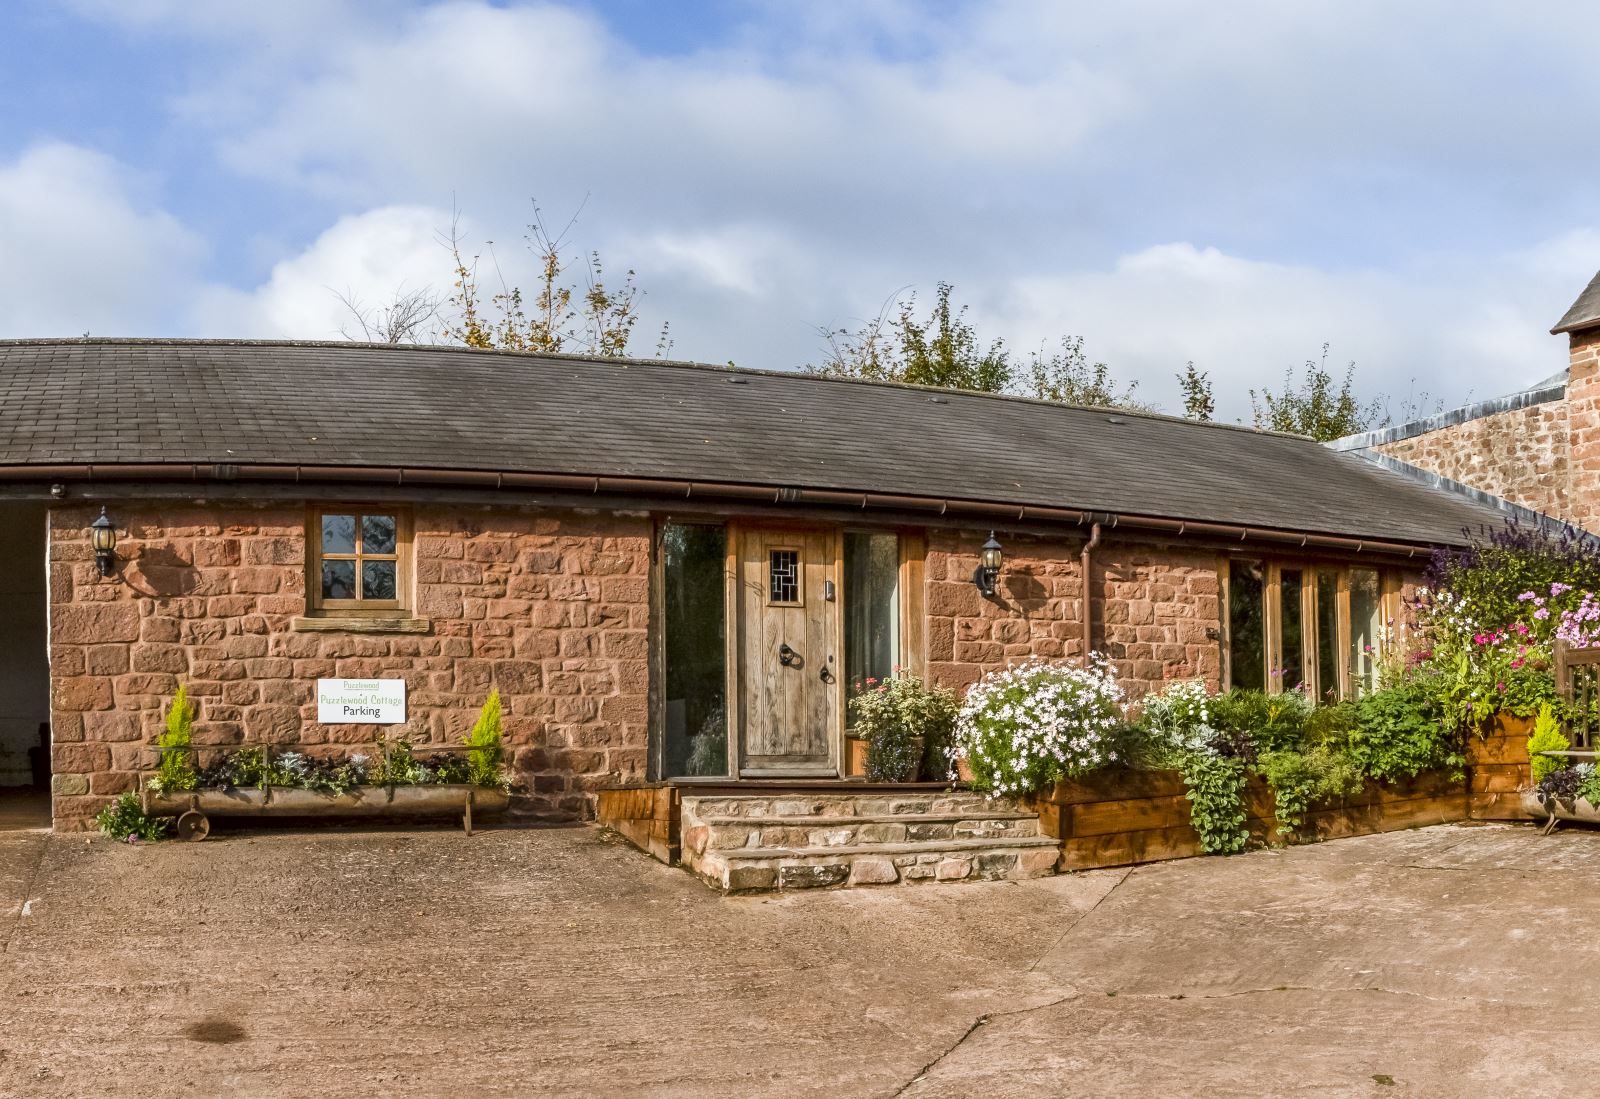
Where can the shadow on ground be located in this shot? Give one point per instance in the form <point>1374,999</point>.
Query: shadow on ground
<point>562,962</point>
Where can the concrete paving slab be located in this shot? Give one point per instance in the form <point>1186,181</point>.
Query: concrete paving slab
<point>537,962</point>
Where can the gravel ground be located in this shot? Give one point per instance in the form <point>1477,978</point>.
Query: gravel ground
<point>1441,962</point>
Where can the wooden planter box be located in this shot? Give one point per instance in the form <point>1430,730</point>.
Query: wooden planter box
<point>1119,818</point>
<point>194,807</point>
<point>1498,769</point>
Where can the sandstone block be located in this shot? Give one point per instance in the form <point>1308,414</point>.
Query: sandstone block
<point>91,623</point>
<point>873,871</point>
<point>953,869</point>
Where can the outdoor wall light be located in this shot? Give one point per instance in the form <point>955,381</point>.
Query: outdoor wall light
<point>990,558</point>
<point>103,540</point>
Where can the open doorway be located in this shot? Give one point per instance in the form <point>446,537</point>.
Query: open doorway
<point>24,667</point>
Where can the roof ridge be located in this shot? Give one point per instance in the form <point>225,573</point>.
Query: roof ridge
<point>629,360</point>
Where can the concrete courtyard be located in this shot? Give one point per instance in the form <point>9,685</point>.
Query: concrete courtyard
<point>1451,961</point>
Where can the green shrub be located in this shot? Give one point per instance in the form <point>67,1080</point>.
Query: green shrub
<point>1546,737</point>
<point>1401,731</point>
<point>1271,722</point>
<point>1300,779</point>
<point>175,769</point>
<point>1215,789</point>
<point>483,764</point>
<point>891,714</point>
<point>125,817</point>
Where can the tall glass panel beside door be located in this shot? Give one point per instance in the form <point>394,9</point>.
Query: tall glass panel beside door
<point>871,607</point>
<point>1366,629</point>
<point>1247,660</point>
<point>694,566</point>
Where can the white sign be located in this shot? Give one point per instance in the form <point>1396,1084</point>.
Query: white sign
<point>361,701</point>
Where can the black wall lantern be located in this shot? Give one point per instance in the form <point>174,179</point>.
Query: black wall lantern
<point>103,539</point>
<point>990,558</point>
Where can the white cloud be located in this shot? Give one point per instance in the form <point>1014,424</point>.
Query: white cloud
<point>364,259</point>
<point>83,253</point>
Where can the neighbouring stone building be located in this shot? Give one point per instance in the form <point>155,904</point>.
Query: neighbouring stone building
<point>1538,448</point>
<point>669,571</point>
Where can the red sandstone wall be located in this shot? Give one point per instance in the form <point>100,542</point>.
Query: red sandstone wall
<point>1583,415</point>
<point>551,609</point>
<point>1152,608</point>
<point>1521,455</point>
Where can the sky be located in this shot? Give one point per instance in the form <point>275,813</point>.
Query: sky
<point>1230,184</point>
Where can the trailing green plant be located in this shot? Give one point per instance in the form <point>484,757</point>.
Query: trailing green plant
<point>1299,779</point>
<point>1546,737</point>
<point>892,715</point>
<point>1215,789</point>
<point>483,763</point>
<point>1034,724</point>
<point>125,818</point>
<point>1401,731</point>
<point>175,768</point>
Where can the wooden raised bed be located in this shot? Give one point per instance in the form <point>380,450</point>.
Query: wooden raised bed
<point>1119,818</point>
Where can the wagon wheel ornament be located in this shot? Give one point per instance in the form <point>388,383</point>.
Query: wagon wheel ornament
<point>193,826</point>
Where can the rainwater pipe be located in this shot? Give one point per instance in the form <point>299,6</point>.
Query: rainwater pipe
<point>1088,602</point>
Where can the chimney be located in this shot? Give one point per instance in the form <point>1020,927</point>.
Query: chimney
<point>1582,326</point>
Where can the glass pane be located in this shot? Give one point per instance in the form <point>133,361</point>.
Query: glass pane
<point>784,569</point>
<point>694,560</point>
<point>1246,650</point>
<point>1366,628</point>
<point>1291,672</point>
<point>1327,635</point>
<point>377,533</point>
<point>338,580</point>
<point>338,534</point>
<point>871,607</point>
<point>377,579</point>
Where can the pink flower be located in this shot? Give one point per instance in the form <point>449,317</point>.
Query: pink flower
<point>1542,613</point>
<point>1501,686</point>
<point>1558,588</point>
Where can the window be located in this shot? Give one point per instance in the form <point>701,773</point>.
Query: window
<point>783,573</point>
<point>694,583</point>
<point>360,560</point>
<point>871,606</point>
<point>1317,628</point>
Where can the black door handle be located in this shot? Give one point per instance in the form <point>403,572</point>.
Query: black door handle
<point>788,657</point>
<point>827,674</point>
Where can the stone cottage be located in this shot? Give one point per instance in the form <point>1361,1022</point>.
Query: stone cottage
<point>1538,449</point>
<point>671,572</point>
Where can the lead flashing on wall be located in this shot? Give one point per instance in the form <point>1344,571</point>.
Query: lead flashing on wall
<point>1553,388</point>
<point>1500,503</point>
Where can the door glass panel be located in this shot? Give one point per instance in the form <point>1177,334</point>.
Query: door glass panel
<point>783,572</point>
<point>696,734</point>
<point>1291,672</point>
<point>1327,635</point>
<point>871,607</point>
<point>1246,648</point>
<point>1366,628</point>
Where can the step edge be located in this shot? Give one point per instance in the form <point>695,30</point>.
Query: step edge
<point>993,843</point>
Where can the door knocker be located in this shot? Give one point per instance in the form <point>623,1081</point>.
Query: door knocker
<point>789,658</point>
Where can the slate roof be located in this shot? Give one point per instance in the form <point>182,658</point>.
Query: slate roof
<point>1585,312</point>
<point>130,401</point>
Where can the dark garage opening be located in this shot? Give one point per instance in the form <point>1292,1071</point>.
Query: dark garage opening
<point>24,667</point>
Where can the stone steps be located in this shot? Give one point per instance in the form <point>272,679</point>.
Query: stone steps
<point>737,832</point>
<point>761,842</point>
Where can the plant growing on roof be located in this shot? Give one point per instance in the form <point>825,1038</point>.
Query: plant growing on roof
<point>903,721</point>
<point>1034,724</point>
<point>175,768</point>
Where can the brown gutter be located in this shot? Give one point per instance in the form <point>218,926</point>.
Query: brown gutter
<point>1088,600</point>
<point>585,484</point>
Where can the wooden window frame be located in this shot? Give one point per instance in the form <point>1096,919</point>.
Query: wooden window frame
<point>398,607</point>
<point>1390,586</point>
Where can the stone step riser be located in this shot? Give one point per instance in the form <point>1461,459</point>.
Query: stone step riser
<point>932,867</point>
<point>852,806</point>
<point>798,833</point>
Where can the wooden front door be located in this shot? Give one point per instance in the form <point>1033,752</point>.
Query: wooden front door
<point>789,669</point>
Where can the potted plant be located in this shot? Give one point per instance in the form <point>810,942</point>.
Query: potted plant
<point>900,721</point>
